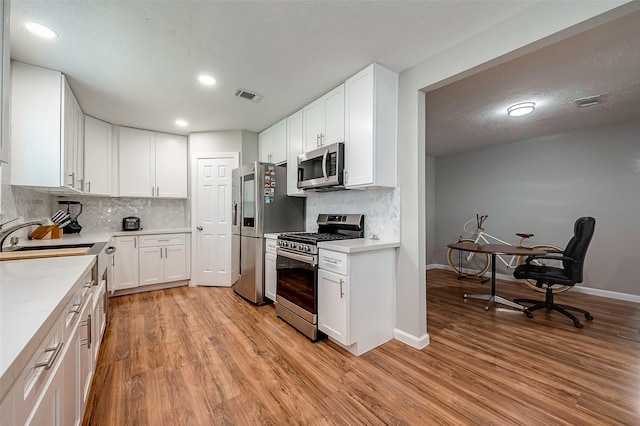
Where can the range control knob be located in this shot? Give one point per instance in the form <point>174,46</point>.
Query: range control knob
<point>293,245</point>
<point>307,248</point>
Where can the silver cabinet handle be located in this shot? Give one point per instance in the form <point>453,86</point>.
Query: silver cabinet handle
<point>160,252</point>
<point>87,341</point>
<point>72,175</point>
<point>75,308</point>
<point>153,189</point>
<point>166,252</point>
<point>157,191</point>
<point>341,289</point>
<point>88,186</point>
<point>199,228</point>
<point>344,174</point>
<point>48,363</point>
<point>318,140</point>
<point>329,260</point>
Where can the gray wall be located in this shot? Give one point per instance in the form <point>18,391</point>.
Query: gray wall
<point>541,186</point>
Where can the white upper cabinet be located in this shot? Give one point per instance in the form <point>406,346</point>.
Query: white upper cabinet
<point>98,156</point>
<point>294,148</point>
<point>273,143</point>
<point>265,145</point>
<point>171,166</point>
<point>136,163</point>
<point>371,99</point>
<point>152,165</point>
<point>4,80</point>
<point>323,120</point>
<point>46,131</point>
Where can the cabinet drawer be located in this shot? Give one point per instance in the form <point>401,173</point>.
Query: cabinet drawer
<point>39,368</point>
<point>71,313</point>
<point>162,240</point>
<point>270,245</point>
<point>333,261</point>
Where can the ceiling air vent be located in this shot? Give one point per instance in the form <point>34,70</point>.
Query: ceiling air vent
<point>588,101</point>
<point>245,94</point>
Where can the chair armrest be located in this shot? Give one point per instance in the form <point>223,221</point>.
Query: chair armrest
<point>546,256</point>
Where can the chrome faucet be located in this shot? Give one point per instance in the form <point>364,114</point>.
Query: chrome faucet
<point>4,233</point>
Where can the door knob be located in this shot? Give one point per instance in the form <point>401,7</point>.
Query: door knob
<point>199,228</point>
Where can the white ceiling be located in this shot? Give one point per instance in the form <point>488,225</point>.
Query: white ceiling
<point>135,62</point>
<point>605,61</point>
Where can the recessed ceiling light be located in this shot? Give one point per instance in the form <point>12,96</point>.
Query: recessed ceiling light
<point>207,80</point>
<point>40,30</point>
<point>523,108</point>
<point>181,123</point>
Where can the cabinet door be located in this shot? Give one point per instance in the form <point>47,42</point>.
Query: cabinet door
<point>125,263</point>
<point>136,161</point>
<point>48,408</point>
<point>69,123</point>
<point>270,277</point>
<point>78,143</point>
<point>333,306</point>
<point>279,142</point>
<point>151,265</point>
<point>359,148</point>
<point>333,116</point>
<point>175,263</point>
<point>170,166</point>
<point>312,124</point>
<point>85,356</point>
<point>294,148</point>
<point>97,156</point>
<point>265,145</point>
<point>5,78</point>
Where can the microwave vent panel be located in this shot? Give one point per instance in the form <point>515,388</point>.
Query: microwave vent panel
<point>588,101</point>
<point>245,94</point>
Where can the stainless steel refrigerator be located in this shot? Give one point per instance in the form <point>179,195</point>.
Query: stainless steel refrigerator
<point>260,205</point>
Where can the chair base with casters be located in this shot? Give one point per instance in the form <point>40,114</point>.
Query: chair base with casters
<point>549,305</point>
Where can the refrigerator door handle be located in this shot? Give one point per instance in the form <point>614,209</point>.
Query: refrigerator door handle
<point>235,214</point>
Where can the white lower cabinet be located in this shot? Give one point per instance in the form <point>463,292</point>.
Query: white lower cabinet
<point>54,385</point>
<point>125,263</point>
<point>150,259</point>
<point>163,258</point>
<point>333,306</point>
<point>356,294</point>
<point>270,273</point>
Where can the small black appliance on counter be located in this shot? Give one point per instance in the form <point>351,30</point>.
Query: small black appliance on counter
<point>131,223</point>
<point>69,222</point>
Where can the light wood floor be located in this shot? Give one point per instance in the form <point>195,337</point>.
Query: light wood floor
<point>203,356</point>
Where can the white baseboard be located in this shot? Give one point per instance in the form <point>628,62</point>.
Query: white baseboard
<point>578,288</point>
<point>411,340</point>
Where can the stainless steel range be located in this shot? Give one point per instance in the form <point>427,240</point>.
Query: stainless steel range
<point>297,269</point>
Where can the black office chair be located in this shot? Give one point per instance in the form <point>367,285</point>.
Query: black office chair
<point>570,274</point>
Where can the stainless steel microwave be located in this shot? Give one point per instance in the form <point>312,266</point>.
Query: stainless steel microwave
<point>322,168</point>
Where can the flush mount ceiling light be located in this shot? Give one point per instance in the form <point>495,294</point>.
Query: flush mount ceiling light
<point>40,30</point>
<point>522,108</point>
<point>181,123</point>
<point>207,80</point>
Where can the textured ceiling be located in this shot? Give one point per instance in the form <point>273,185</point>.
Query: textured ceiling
<point>471,113</point>
<point>135,62</point>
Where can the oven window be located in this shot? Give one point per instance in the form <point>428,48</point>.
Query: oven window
<point>297,283</point>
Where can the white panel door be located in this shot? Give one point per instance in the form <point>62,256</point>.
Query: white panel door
<point>213,221</point>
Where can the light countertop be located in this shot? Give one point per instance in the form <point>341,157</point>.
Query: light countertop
<point>357,245</point>
<point>33,294</point>
<point>96,237</point>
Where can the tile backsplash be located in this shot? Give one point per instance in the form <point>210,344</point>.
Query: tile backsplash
<point>381,209</point>
<point>104,214</point>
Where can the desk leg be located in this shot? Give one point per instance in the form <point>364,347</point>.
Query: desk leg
<point>493,297</point>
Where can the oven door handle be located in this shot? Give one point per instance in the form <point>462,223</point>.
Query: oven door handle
<point>301,257</point>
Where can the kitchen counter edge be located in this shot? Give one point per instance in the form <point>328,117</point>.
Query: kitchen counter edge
<point>357,245</point>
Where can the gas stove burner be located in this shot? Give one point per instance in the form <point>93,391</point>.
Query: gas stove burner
<point>313,237</point>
